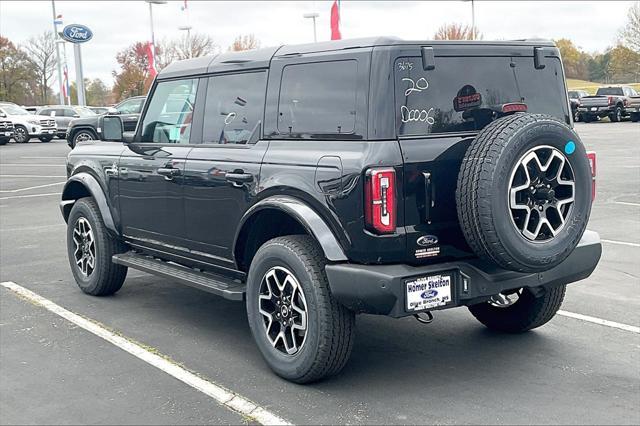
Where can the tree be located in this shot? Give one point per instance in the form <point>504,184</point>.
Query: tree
<point>186,47</point>
<point>41,50</point>
<point>598,66</point>
<point>16,74</point>
<point>624,64</point>
<point>244,42</point>
<point>457,32</point>
<point>134,78</point>
<point>97,93</point>
<point>630,34</point>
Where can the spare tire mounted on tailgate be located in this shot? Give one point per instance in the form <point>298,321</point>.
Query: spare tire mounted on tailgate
<point>524,192</point>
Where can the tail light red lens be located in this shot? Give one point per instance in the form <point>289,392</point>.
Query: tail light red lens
<point>610,100</point>
<point>380,200</point>
<point>592,163</point>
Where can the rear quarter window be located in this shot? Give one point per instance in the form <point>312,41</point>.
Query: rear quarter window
<point>464,94</point>
<point>318,99</point>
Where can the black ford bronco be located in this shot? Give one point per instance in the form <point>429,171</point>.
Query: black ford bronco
<point>316,182</point>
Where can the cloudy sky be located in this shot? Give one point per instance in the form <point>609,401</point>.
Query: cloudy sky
<point>592,25</point>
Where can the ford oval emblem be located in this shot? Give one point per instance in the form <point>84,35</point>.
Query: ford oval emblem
<point>427,240</point>
<point>76,33</point>
<point>429,294</point>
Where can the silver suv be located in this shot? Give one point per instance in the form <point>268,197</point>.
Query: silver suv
<point>63,114</point>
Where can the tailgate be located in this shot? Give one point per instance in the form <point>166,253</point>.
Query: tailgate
<point>599,101</point>
<point>439,112</point>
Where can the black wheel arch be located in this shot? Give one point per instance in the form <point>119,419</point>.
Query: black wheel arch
<point>82,185</point>
<point>278,216</point>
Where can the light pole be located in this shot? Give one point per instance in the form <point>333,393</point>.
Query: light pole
<point>187,28</point>
<point>153,38</point>
<point>313,16</point>
<point>55,35</point>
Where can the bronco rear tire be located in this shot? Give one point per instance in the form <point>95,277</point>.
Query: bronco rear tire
<point>90,248</point>
<point>526,313</point>
<point>524,192</point>
<point>303,333</point>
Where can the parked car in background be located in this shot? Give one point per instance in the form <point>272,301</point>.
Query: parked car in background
<point>26,125</point>
<point>101,110</point>
<point>574,100</point>
<point>634,108</point>
<point>87,128</point>
<point>612,102</point>
<point>63,114</point>
<point>31,109</point>
<point>6,131</point>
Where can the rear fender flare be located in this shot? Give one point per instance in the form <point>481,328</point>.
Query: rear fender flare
<point>306,216</point>
<point>92,186</point>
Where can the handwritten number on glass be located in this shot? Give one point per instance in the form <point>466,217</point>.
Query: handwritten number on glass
<point>416,86</point>
<point>420,115</point>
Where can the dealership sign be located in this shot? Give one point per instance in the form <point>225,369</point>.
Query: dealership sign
<point>76,33</point>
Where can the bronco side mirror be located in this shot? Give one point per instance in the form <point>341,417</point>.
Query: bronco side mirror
<point>112,128</point>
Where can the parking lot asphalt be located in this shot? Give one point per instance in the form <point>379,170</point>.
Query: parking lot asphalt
<point>452,371</point>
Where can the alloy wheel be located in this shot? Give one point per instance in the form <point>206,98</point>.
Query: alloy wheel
<point>20,134</point>
<point>283,306</point>
<point>541,193</point>
<point>84,136</point>
<point>85,247</point>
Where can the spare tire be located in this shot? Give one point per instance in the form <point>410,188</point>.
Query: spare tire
<point>524,192</point>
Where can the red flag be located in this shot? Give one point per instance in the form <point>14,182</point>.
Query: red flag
<point>335,21</point>
<point>151,59</point>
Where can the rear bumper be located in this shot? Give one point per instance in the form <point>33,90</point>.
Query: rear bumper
<point>380,289</point>
<point>599,110</point>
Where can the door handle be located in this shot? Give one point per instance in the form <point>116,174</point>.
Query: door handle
<point>169,172</point>
<point>238,179</point>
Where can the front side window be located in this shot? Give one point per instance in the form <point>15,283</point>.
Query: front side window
<point>464,94</point>
<point>318,99</point>
<point>234,107</point>
<point>168,117</point>
<point>132,106</point>
<point>45,111</point>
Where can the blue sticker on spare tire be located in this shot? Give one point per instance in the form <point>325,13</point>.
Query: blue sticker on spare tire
<point>570,147</point>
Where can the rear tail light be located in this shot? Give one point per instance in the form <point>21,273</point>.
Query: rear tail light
<point>380,200</point>
<point>514,107</point>
<point>611,100</point>
<point>592,163</point>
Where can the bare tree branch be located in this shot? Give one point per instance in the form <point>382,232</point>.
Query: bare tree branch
<point>41,50</point>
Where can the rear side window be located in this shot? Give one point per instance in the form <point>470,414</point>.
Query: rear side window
<point>235,105</point>
<point>170,112</point>
<point>318,99</point>
<point>466,94</point>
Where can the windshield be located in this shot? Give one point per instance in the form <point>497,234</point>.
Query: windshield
<point>84,112</point>
<point>574,95</point>
<point>609,91</point>
<point>14,110</point>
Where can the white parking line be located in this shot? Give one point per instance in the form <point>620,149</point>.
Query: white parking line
<point>607,323</point>
<point>29,196</point>
<point>225,397</point>
<point>32,164</point>
<point>626,203</point>
<point>621,243</point>
<point>32,187</point>
<point>43,157</point>
<point>32,176</point>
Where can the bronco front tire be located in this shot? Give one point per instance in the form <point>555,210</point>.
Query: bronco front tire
<point>527,312</point>
<point>303,333</point>
<point>90,248</point>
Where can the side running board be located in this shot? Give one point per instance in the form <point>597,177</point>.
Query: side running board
<point>216,284</point>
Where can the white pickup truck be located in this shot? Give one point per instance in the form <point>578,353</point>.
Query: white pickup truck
<point>27,126</point>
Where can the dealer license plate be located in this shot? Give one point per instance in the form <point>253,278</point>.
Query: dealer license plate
<point>428,292</point>
<point>594,108</point>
